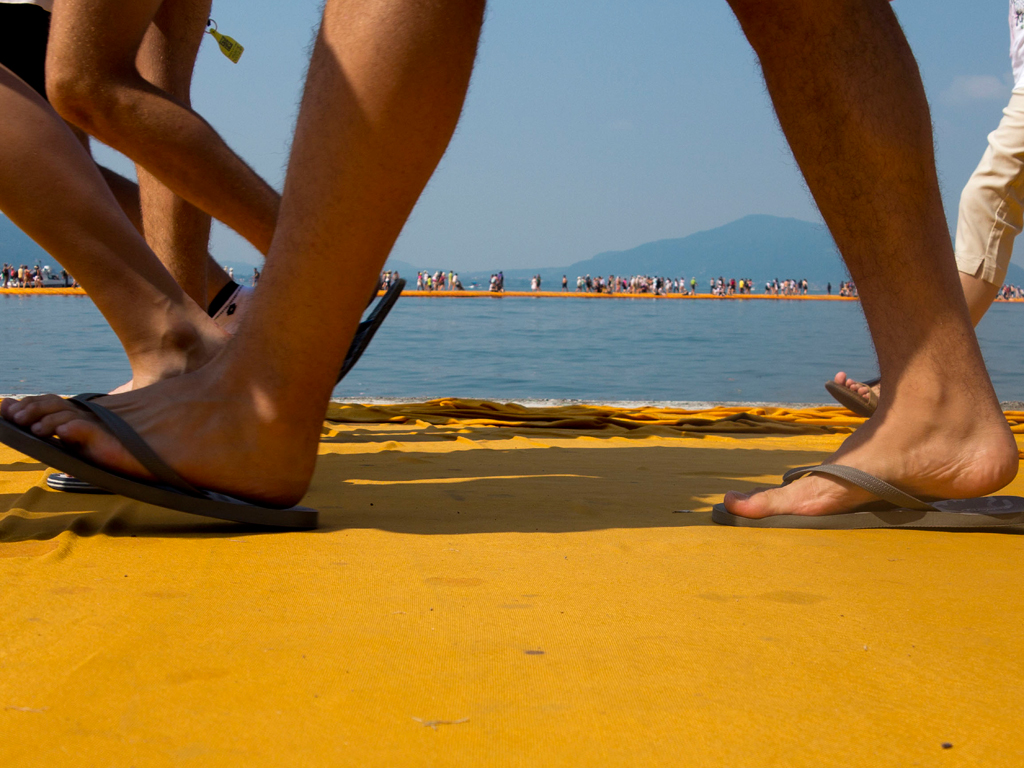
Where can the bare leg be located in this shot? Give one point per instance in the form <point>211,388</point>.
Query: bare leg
<point>92,81</point>
<point>385,88</point>
<point>850,101</point>
<point>979,294</point>
<point>126,192</point>
<point>177,232</point>
<point>45,170</point>
<point>991,216</point>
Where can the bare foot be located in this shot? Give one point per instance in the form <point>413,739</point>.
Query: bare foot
<point>924,446</point>
<point>857,387</point>
<point>216,436</point>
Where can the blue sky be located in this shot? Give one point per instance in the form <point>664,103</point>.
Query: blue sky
<point>597,125</point>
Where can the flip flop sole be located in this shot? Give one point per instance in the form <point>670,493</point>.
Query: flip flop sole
<point>850,400</point>
<point>209,504</point>
<point>61,481</point>
<point>987,513</point>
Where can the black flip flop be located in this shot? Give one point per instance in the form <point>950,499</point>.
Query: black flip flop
<point>169,491</point>
<point>364,335</point>
<point>852,401</point>
<point>369,327</point>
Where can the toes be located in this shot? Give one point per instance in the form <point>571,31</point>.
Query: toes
<point>47,425</point>
<point>812,495</point>
<point>94,443</point>
<point>31,409</point>
<point>747,505</point>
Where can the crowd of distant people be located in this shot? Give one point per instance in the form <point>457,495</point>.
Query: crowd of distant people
<point>634,284</point>
<point>1009,292</point>
<point>845,289</point>
<point>33,277</point>
<point>659,286</point>
<point>425,281</point>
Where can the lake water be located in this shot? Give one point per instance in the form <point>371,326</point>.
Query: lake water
<point>527,349</point>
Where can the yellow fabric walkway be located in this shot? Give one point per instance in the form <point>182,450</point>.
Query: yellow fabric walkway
<point>494,585</point>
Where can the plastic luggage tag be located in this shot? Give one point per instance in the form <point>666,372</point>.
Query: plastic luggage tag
<point>228,45</point>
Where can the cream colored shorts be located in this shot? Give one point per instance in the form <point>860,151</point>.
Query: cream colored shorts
<point>992,203</point>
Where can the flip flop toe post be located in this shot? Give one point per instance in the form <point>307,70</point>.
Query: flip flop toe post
<point>169,490</point>
<point>985,513</point>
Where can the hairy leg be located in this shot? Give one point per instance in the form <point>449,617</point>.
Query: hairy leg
<point>384,93</point>
<point>178,232</point>
<point>93,81</point>
<point>991,216</point>
<point>850,101</point>
<point>126,192</point>
<point>50,188</point>
<point>978,293</point>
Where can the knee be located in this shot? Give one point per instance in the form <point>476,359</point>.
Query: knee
<point>85,99</point>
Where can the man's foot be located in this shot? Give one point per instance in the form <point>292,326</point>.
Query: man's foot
<point>180,341</point>
<point>929,447</point>
<point>211,429</point>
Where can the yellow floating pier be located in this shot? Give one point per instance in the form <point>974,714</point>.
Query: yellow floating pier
<point>496,585</point>
<point>42,292</point>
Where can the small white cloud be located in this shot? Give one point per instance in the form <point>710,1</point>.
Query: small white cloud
<point>966,89</point>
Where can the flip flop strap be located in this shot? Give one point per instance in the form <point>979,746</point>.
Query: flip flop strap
<point>869,483</point>
<point>134,444</point>
<point>389,298</point>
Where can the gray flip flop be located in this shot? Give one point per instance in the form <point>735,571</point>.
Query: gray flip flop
<point>985,513</point>
<point>851,400</point>
<point>169,491</point>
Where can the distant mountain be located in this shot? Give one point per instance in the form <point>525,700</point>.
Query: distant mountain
<point>18,248</point>
<point>404,269</point>
<point>1015,275</point>
<point>760,247</point>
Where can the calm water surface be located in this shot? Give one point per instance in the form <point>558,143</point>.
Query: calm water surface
<point>538,349</point>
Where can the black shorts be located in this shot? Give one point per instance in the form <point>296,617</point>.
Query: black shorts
<point>23,33</point>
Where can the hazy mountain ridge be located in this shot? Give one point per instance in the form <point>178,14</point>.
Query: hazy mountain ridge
<point>758,246</point>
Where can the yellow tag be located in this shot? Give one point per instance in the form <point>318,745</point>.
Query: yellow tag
<point>228,45</point>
